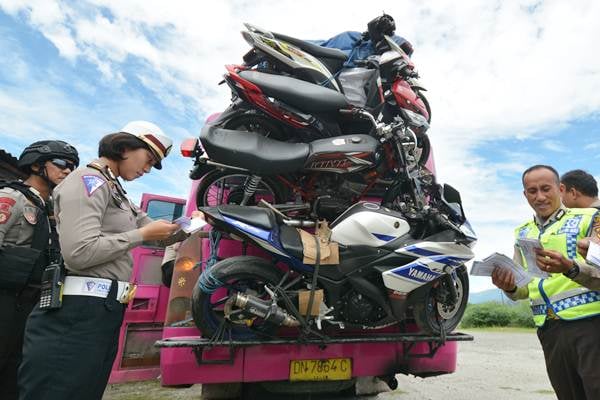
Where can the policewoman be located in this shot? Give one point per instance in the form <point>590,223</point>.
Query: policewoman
<point>26,228</point>
<point>69,351</point>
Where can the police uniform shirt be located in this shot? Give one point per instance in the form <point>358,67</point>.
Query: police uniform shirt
<point>18,217</point>
<point>97,225</point>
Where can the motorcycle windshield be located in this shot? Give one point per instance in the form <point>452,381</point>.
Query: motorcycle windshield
<point>290,55</point>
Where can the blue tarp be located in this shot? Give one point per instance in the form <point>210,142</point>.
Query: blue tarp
<point>350,43</point>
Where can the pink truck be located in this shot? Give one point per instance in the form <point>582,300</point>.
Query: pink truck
<point>160,318</point>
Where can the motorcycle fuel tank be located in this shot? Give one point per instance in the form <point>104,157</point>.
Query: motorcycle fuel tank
<point>343,154</point>
<point>368,224</point>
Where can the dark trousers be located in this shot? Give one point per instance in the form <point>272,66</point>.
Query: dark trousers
<point>572,353</point>
<point>68,353</point>
<point>14,310</point>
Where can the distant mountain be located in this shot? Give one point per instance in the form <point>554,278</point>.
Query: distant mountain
<point>489,295</point>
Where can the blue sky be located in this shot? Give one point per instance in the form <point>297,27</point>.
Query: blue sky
<point>511,84</point>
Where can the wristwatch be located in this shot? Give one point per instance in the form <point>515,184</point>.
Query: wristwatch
<point>573,271</point>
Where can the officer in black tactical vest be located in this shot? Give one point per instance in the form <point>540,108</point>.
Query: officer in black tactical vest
<point>28,242</point>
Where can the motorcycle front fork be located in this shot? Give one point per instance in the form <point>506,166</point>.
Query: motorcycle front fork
<point>446,290</point>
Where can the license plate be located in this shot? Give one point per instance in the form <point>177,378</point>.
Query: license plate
<point>332,369</point>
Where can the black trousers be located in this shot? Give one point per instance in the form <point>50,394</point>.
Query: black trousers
<point>14,310</point>
<point>68,353</point>
<point>572,353</point>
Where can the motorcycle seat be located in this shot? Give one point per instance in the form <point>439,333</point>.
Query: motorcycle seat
<point>256,216</point>
<point>305,96</point>
<point>252,151</point>
<point>291,242</point>
<point>313,49</point>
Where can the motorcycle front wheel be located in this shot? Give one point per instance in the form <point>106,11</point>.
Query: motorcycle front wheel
<point>242,274</point>
<point>431,309</point>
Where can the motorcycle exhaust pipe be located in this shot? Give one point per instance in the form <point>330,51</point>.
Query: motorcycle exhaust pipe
<point>264,309</point>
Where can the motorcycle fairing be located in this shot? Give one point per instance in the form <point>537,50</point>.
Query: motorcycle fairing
<point>435,258</point>
<point>293,57</point>
<point>304,95</point>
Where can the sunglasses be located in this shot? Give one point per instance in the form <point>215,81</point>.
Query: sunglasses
<point>62,164</point>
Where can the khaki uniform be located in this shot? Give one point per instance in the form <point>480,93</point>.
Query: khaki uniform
<point>18,219</point>
<point>97,225</point>
<point>68,353</point>
<point>18,216</point>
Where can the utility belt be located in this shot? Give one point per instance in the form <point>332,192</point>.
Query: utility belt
<point>97,287</point>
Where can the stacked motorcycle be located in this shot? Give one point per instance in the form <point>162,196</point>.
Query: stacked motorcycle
<point>310,144</point>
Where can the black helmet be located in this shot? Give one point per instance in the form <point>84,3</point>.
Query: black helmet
<point>382,25</point>
<point>44,150</point>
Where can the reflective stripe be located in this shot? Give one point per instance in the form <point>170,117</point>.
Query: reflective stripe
<point>566,303</point>
<point>560,296</point>
<point>575,301</point>
<point>569,293</point>
<point>539,309</point>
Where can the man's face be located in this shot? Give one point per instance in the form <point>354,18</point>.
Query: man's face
<point>542,192</point>
<point>569,197</point>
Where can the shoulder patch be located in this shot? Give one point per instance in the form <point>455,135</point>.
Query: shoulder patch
<point>596,225</point>
<point>30,214</point>
<point>6,203</point>
<point>92,183</point>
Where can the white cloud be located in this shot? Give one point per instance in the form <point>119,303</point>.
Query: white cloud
<point>494,70</point>
<point>555,146</point>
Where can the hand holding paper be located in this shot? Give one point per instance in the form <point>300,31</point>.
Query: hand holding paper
<point>528,248</point>
<point>488,264</point>
<point>190,225</point>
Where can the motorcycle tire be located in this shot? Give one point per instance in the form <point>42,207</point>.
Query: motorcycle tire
<point>244,274</point>
<point>425,145</point>
<point>430,315</point>
<point>275,190</point>
<point>426,102</point>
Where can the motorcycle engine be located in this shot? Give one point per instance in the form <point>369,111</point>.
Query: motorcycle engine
<point>332,198</point>
<point>359,309</point>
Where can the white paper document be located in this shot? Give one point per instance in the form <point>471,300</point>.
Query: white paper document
<point>527,247</point>
<point>593,254</point>
<point>190,225</point>
<point>487,265</point>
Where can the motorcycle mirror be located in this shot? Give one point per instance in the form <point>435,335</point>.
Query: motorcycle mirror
<point>451,197</point>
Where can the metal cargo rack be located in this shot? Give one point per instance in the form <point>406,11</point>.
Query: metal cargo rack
<point>408,340</point>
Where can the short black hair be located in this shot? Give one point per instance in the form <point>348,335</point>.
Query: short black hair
<point>540,166</point>
<point>581,181</point>
<point>113,145</point>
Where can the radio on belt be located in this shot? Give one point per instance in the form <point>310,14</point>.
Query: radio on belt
<point>52,287</point>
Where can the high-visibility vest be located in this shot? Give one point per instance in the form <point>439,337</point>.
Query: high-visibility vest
<point>558,295</point>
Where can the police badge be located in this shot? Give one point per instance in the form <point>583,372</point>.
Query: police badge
<point>30,214</point>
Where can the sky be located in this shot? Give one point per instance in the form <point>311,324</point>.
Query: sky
<point>510,83</point>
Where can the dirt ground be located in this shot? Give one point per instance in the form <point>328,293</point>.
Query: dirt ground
<point>497,365</point>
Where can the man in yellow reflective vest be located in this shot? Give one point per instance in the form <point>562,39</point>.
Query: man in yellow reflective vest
<point>566,306</point>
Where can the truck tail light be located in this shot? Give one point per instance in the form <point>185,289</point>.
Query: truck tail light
<point>189,147</point>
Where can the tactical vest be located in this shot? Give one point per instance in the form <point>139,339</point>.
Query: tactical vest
<point>559,295</point>
<point>20,266</point>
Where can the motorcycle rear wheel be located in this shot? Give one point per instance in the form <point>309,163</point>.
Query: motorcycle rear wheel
<point>243,274</point>
<point>433,316</point>
<point>227,187</point>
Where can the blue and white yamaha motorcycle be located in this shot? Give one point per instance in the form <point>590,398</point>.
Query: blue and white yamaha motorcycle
<point>392,268</point>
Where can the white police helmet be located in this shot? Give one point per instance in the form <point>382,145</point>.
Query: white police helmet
<point>159,143</point>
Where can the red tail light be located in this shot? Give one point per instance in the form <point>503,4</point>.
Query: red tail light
<point>188,147</point>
